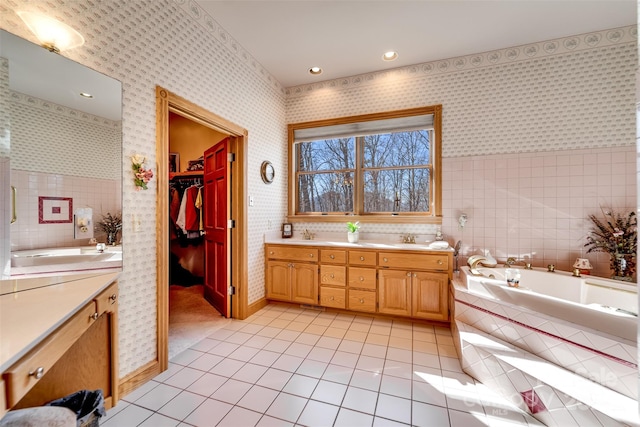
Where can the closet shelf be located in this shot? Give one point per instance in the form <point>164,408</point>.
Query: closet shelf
<point>185,174</point>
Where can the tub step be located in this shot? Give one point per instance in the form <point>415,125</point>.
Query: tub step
<point>550,393</point>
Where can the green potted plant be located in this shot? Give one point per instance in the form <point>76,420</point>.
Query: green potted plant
<point>353,231</point>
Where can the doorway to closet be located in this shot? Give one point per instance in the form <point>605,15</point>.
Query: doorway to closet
<point>201,223</point>
<point>198,279</point>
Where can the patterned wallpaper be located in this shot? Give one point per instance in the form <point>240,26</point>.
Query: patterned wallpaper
<point>47,137</point>
<point>175,45</point>
<point>146,43</point>
<point>565,94</point>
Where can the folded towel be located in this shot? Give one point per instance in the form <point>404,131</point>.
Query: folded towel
<point>439,245</point>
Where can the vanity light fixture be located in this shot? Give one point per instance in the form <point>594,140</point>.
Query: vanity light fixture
<point>53,35</point>
<point>390,56</point>
<point>315,71</point>
<point>86,95</point>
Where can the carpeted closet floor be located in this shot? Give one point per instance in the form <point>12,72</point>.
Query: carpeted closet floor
<point>191,318</point>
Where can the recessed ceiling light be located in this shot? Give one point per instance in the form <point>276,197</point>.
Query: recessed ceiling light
<point>86,95</point>
<point>390,56</point>
<point>315,70</point>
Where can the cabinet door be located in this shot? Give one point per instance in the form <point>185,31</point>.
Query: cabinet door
<point>304,283</point>
<point>430,296</point>
<point>278,280</point>
<point>394,292</point>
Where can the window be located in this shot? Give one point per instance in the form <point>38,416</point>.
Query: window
<point>385,167</point>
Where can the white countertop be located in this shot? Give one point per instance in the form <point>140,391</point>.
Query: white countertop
<point>39,307</point>
<point>341,241</point>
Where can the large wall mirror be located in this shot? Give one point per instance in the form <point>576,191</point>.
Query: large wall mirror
<point>60,163</point>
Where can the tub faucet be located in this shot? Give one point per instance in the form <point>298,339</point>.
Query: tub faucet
<point>511,261</point>
<point>473,262</point>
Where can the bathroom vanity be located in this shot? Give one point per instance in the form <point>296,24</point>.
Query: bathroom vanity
<point>407,280</point>
<point>58,335</point>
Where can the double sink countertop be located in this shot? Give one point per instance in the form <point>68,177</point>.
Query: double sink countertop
<point>368,241</point>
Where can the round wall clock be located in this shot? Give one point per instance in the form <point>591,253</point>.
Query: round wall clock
<point>267,172</point>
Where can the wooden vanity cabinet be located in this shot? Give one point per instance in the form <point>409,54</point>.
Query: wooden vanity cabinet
<point>80,354</point>
<point>292,274</point>
<point>333,278</point>
<point>400,283</point>
<point>362,285</point>
<point>415,285</point>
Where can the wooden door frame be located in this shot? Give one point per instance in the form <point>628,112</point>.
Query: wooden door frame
<point>169,102</point>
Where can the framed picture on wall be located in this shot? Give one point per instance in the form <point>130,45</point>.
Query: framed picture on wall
<point>174,162</point>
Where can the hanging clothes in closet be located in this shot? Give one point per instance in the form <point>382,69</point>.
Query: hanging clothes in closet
<point>186,200</point>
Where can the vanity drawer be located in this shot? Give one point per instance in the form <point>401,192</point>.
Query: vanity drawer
<point>362,258</point>
<point>331,256</point>
<point>23,375</point>
<point>362,301</point>
<point>332,297</point>
<point>107,301</point>
<point>414,261</point>
<point>364,278</point>
<point>292,254</point>
<point>333,275</point>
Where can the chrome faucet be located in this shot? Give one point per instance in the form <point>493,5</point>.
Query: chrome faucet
<point>511,261</point>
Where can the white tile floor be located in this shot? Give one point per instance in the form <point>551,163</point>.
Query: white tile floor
<point>287,366</point>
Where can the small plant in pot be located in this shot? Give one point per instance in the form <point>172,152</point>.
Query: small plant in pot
<point>353,231</point>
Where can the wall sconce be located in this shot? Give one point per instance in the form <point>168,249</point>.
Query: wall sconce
<point>52,34</point>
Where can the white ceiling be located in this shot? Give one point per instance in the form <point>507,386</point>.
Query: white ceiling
<point>35,71</point>
<point>348,37</point>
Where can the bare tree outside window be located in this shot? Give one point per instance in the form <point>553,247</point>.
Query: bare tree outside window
<point>351,167</point>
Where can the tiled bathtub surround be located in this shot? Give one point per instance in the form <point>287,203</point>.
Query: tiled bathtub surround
<point>535,205</point>
<point>103,195</point>
<point>553,395</point>
<point>607,360</point>
<point>581,376</point>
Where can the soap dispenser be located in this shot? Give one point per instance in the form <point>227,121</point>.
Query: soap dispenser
<point>83,223</point>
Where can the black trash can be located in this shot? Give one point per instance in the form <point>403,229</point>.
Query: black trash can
<point>86,404</point>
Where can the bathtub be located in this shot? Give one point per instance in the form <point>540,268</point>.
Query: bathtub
<point>68,260</point>
<point>584,325</point>
<point>604,305</point>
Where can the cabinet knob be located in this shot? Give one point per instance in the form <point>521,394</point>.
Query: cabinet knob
<point>331,298</point>
<point>94,316</point>
<point>332,256</point>
<point>415,275</point>
<point>385,260</point>
<point>439,262</point>
<point>361,301</point>
<point>270,252</point>
<point>332,275</point>
<point>409,274</point>
<point>38,373</point>
<point>361,258</point>
<point>311,255</point>
<point>113,298</point>
<point>361,279</point>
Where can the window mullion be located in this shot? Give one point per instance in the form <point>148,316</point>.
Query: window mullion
<point>358,203</point>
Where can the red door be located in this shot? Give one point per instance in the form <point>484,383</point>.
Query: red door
<point>216,214</point>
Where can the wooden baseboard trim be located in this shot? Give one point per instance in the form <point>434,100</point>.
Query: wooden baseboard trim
<point>138,377</point>
<point>256,306</point>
